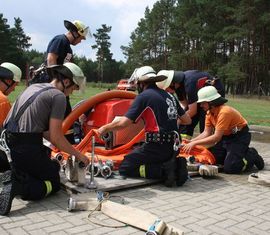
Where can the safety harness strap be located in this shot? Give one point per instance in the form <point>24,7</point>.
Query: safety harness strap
<point>12,125</point>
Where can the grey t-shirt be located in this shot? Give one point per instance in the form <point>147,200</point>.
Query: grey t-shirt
<point>50,103</point>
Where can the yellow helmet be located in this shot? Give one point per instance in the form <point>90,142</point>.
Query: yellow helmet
<point>16,71</point>
<point>79,27</point>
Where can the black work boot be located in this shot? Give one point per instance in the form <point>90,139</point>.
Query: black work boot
<point>5,177</point>
<point>6,196</point>
<point>169,172</point>
<point>10,189</point>
<point>181,171</point>
<point>257,159</point>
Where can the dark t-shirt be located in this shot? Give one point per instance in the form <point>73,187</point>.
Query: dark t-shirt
<point>60,45</point>
<point>157,108</point>
<point>190,88</point>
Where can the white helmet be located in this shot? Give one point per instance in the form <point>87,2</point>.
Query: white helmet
<point>68,70</point>
<point>78,76</point>
<point>208,94</point>
<point>16,71</point>
<point>145,74</point>
<point>167,82</point>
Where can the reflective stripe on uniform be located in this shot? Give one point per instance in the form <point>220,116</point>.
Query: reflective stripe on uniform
<point>142,171</point>
<point>48,187</point>
<point>245,164</point>
<point>185,136</point>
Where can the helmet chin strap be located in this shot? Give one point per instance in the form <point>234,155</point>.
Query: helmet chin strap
<point>8,85</point>
<point>140,87</point>
<point>64,86</point>
<point>75,35</point>
<point>61,79</point>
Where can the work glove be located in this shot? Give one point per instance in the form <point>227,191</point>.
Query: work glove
<point>208,170</point>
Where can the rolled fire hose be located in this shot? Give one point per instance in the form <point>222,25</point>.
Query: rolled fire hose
<point>135,217</point>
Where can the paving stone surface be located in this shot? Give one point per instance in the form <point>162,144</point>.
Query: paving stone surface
<point>228,204</point>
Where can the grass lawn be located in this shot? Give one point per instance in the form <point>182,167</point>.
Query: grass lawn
<point>256,111</point>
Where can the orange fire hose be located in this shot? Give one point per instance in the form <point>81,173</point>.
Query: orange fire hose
<point>91,102</point>
<point>200,153</point>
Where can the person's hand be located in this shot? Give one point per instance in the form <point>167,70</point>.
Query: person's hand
<point>185,140</point>
<point>82,119</point>
<point>101,132</point>
<point>187,147</point>
<point>85,160</point>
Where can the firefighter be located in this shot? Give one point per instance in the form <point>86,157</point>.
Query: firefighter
<point>186,85</point>
<point>10,76</point>
<point>58,52</point>
<point>228,131</point>
<point>160,112</point>
<point>38,112</point>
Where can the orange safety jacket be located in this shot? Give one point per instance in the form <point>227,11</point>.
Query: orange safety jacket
<point>5,106</point>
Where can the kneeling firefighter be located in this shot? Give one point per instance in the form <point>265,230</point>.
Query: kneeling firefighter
<point>160,112</point>
<point>10,76</point>
<point>38,112</point>
<point>228,132</point>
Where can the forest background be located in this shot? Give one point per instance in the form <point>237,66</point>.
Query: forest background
<point>230,39</point>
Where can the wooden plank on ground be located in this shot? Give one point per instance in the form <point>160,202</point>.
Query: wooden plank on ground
<point>111,184</point>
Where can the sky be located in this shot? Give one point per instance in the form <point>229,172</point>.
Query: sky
<point>43,19</point>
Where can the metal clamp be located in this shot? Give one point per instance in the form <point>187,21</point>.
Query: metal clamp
<point>4,147</point>
<point>177,142</point>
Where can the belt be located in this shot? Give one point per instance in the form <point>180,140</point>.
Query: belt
<point>243,130</point>
<point>24,138</point>
<point>156,137</point>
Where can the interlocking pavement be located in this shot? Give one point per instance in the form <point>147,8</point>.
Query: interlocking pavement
<point>228,204</point>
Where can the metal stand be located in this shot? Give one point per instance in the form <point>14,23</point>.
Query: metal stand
<point>92,184</point>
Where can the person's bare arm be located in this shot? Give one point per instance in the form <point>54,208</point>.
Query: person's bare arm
<point>184,104</point>
<point>57,138</point>
<point>117,124</point>
<point>207,132</point>
<point>192,109</point>
<point>205,138</point>
<point>52,59</point>
<point>184,120</point>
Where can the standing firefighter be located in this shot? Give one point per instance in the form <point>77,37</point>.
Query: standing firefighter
<point>38,112</point>
<point>59,48</point>
<point>58,52</point>
<point>228,131</point>
<point>10,76</point>
<point>160,112</point>
<point>186,85</point>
